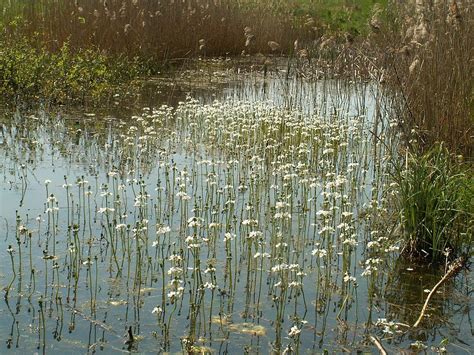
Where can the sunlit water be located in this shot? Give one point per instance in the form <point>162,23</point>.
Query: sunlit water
<point>256,223</point>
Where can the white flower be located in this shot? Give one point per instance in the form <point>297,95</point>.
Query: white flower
<point>248,222</point>
<point>183,195</point>
<point>350,241</point>
<point>368,270</point>
<point>175,258</point>
<point>209,285</point>
<point>326,229</point>
<point>418,345</point>
<point>293,267</point>
<point>175,271</point>
<point>255,234</point>
<point>105,210</point>
<point>323,213</point>
<point>281,204</point>
<point>349,278</point>
<point>294,331</point>
<point>295,284</point>
<point>210,269</point>
<point>22,229</point>
<point>229,236</point>
<point>280,267</point>
<point>373,244</point>
<point>157,310</point>
<point>194,222</point>
<point>282,215</point>
<point>163,230</point>
<point>320,252</point>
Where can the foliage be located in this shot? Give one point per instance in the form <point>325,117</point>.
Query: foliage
<point>436,204</point>
<point>31,73</point>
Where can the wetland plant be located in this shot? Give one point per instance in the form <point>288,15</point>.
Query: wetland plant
<point>436,204</point>
<point>213,28</point>
<point>437,89</point>
<point>229,220</point>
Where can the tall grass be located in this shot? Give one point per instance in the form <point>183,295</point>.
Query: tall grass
<point>436,204</point>
<point>162,29</point>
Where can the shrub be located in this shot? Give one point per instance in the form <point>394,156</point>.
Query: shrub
<point>29,72</point>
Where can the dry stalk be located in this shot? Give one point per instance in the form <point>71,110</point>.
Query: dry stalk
<point>453,269</point>
<point>377,343</point>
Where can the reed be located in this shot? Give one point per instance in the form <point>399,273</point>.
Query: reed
<point>162,29</point>
<point>422,51</point>
<point>426,53</point>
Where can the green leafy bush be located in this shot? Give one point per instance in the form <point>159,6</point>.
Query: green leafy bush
<point>31,73</point>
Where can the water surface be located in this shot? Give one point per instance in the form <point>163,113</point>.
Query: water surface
<point>257,222</point>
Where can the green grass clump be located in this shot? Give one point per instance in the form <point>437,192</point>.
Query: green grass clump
<point>436,205</point>
<point>350,16</point>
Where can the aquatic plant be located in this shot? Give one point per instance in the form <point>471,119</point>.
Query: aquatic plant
<point>232,223</point>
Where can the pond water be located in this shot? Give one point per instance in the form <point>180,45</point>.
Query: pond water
<point>222,215</point>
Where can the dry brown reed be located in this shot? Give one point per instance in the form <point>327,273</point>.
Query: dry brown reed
<point>163,29</point>
<point>427,54</point>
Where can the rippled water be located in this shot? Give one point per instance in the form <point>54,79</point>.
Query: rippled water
<point>270,208</point>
